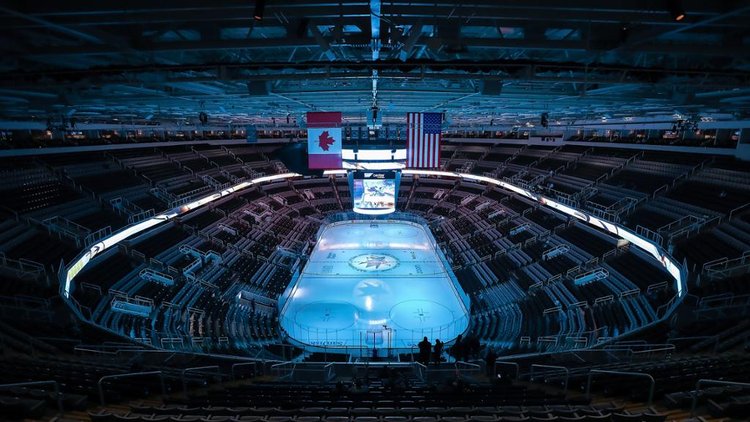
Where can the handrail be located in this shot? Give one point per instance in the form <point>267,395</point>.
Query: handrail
<point>254,364</point>
<point>663,187</point>
<point>698,384</point>
<point>68,340</point>
<point>280,364</point>
<point>738,210</point>
<point>564,369</point>
<point>470,366</point>
<point>625,373</point>
<point>197,368</point>
<point>714,337</point>
<point>421,370</point>
<point>84,349</point>
<point>664,348</point>
<point>58,397</point>
<point>328,372</point>
<point>128,375</point>
<point>654,347</point>
<point>512,364</point>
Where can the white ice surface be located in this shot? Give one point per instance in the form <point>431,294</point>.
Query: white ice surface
<point>373,285</point>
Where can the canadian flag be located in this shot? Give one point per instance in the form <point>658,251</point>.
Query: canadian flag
<point>324,140</point>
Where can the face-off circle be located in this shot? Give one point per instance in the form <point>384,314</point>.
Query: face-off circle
<point>373,262</point>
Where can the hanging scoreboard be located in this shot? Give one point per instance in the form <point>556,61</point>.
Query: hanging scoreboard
<point>374,193</point>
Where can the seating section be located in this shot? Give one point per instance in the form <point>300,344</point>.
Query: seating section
<point>539,281</point>
<point>246,247</point>
<point>675,380</point>
<point>210,280</point>
<point>666,196</point>
<point>499,243</point>
<point>383,399</point>
<point>522,275</point>
<point>79,377</point>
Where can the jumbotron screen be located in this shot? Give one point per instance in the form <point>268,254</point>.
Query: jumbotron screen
<point>374,193</point>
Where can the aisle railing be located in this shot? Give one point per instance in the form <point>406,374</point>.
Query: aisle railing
<point>701,382</point>
<point>593,372</point>
<point>100,385</point>
<point>55,384</point>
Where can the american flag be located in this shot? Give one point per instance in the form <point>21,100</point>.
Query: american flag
<point>423,139</point>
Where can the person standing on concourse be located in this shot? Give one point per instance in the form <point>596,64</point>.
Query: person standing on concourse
<point>438,352</point>
<point>425,348</point>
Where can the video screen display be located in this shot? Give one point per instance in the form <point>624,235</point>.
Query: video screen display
<point>374,192</point>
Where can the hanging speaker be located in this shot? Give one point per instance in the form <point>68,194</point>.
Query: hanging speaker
<point>492,87</point>
<point>374,117</point>
<point>544,119</point>
<point>259,88</point>
<point>302,25</point>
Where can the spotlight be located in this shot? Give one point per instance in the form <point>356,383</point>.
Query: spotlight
<point>260,5</point>
<point>676,10</point>
<point>624,32</point>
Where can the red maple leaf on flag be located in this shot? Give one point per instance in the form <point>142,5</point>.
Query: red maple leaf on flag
<point>325,140</point>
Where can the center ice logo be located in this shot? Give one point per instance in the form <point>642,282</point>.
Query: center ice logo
<point>373,262</point>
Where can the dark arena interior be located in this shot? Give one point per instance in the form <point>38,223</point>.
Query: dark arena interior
<point>375,211</point>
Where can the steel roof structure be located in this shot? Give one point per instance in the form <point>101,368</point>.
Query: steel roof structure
<point>481,61</point>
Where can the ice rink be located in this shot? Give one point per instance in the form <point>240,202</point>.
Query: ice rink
<point>379,285</point>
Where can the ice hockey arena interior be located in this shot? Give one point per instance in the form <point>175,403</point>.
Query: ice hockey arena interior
<point>375,210</point>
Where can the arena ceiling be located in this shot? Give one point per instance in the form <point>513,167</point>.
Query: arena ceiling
<point>480,61</point>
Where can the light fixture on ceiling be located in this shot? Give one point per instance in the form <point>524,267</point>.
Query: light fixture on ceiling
<point>676,10</point>
<point>260,6</point>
